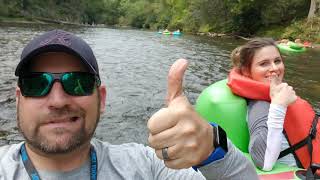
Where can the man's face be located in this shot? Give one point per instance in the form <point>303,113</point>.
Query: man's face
<point>58,122</point>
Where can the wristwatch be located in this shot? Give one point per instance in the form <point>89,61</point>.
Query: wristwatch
<point>220,137</point>
<point>220,144</point>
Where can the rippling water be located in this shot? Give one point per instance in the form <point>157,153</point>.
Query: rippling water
<point>134,65</point>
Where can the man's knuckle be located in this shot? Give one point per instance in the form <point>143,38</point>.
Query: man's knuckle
<point>190,130</point>
<point>193,146</point>
<point>151,140</point>
<point>180,112</point>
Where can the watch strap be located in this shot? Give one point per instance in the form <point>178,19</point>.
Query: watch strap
<point>219,152</point>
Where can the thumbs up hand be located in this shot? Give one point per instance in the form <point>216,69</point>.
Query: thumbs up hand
<point>177,133</point>
<point>281,93</point>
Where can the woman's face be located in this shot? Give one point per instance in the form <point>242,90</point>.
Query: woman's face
<point>266,62</point>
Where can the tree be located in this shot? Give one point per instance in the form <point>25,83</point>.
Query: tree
<point>314,8</point>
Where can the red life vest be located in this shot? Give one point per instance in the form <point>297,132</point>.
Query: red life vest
<point>298,120</point>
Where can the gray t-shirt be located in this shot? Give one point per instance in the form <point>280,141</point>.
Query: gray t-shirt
<point>130,161</point>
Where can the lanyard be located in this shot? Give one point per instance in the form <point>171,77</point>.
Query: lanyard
<point>34,175</point>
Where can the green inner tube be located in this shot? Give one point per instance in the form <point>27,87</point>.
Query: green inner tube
<point>294,45</point>
<point>218,104</point>
<point>166,33</point>
<point>288,49</point>
<point>279,171</point>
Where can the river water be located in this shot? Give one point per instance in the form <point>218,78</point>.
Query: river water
<point>134,65</point>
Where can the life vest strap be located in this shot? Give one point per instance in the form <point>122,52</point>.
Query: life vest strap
<point>294,147</point>
<point>311,172</point>
<point>307,140</point>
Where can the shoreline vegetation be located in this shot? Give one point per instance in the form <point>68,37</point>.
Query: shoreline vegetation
<point>279,19</point>
<point>37,20</point>
<point>308,30</point>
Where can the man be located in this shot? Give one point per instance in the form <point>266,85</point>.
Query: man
<point>59,100</point>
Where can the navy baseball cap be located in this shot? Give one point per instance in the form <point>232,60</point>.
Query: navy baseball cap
<point>58,41</point>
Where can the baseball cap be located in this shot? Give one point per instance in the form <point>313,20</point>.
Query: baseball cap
<point>58,41</point>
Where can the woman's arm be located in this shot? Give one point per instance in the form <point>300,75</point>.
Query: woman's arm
<point>265,123</point>
<point>275,121</point>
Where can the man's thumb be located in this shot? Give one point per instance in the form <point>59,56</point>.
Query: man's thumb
<point>175,79</point>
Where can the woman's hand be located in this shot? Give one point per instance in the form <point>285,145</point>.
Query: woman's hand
<point>281,93</point>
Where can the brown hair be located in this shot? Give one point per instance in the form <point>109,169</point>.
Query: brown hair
<point>242,56</point>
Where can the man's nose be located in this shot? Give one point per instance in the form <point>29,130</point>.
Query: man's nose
<point>58,98</point>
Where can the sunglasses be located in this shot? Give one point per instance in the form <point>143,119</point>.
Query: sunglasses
<point>39,84</point>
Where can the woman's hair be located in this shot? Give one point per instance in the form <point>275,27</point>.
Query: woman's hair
<point>235,57</point>
<point>242,56</point>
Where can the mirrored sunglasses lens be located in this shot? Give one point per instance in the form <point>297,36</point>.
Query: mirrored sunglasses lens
<point>78,84</point>
<point>36,85</point>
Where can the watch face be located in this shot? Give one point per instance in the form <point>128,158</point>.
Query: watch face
<point>222,138</point>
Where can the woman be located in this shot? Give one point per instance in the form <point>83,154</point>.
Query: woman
<point>257,75</point>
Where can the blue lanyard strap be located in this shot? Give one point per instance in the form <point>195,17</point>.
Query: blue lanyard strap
<point>34,175</point>
<point>93,164</point>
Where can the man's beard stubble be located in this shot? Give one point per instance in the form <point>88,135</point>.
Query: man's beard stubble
<point>41,143</point>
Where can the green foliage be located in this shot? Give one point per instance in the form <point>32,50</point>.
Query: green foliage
<point>205,28</point>
<point>137,13</point>
<point>304,29</point>
<point>77,11</point>
<point>274,31</point>
<point>243,17</point>
<point>284,11</point>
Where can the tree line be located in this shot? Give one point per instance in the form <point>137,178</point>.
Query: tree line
<point>241,17</point>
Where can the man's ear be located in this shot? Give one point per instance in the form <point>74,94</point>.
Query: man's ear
<point>18,94</point>
<point>103,95</point>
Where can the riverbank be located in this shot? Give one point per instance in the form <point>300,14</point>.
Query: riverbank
<point>7,20</point>
<point>37,20</point>
<point>45,21</point>
<point>306,30</point>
